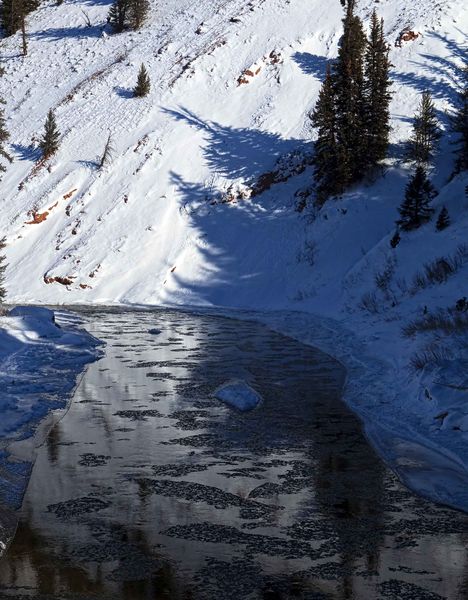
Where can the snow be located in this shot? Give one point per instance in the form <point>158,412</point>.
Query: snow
<point>40,363</point>
<point>238,394</point>
<point>154,227</point>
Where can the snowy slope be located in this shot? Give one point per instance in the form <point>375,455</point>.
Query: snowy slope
<point>151,228</point>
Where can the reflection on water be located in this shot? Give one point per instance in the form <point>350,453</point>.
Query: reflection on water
<point>150,488</point>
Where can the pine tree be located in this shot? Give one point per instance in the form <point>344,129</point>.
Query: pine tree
<point>24,39</point>
<point>3,267</point>
<point>50,141</point>
<point>348,80</point>
<point>118,15</point>
<point>415,209</point>
<point>138,11</point>
<point>13,12</point>
<point>443,220</point>
<point>426,132</point>
<point>143,85</point>
<point>460,126</point>
<point>107,153</point>
<point>377,94</point>
<point>4,137</point>
<point>326,151</point>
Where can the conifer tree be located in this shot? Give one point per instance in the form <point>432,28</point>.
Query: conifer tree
<point>108,152</point>
<point>460,126</point>
<point>143,85</point>
<point>324,120</point>
<point>426,132</point>
<point>50,141</point>
<point>377,94</point>
<point>443,220</point>
<point>138,11</point>
<point>348,77</point>
<point>13,12</point>
<point>3,267</point>
<point>118,15</point>
<point>415,209</point>
<point>4,137</point>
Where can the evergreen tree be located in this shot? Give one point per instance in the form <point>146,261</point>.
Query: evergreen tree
<point>415,209</point>
<point>377,94</point>
<point>326,150</point>
<point>443,220</point>
<point>426,131</point>
<point>138,11</point>
<point>4,137</point>
<point>3,267</point>
<point>460,126</point>
<point>118,15</point>
<point>348,80</point>
<point>143,85</point>
<point>107,153</point>
<point>24,39</point>
<point>13,12</point>
<point>50,141</point>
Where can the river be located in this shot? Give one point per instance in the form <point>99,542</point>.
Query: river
<point>149,487</point>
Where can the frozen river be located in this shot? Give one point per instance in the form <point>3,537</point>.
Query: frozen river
<point>150,487</point>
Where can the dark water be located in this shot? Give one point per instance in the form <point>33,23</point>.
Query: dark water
<point>150,488</point>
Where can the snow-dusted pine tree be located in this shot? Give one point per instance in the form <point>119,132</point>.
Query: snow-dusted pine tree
<point>143,84</point>
<point>415,209</point>
<point>50,141</point>
<point>426,131</point>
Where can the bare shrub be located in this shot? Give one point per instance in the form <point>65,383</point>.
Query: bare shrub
<point>370,303</point>
<point>308,253</point>
<point>440,269</point>
<point>430,356</point>
<point>384,278</point>
<point>445,321</point>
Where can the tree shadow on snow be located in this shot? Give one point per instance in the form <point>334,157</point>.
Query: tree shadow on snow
<point>26,152</point>
<point>125,93</point>
<point>312,64</point>
<point>237,152</point>
<point>56,33</point>
<point>441,75</point>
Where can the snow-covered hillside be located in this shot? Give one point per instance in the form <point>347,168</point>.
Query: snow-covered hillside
<point>154,226</point>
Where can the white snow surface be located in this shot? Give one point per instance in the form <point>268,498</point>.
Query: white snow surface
<point>151,228</point>
<point>238,394</point>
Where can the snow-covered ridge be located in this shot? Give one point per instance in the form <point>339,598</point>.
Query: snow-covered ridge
<point>40,363</point>
<point>154,226</point>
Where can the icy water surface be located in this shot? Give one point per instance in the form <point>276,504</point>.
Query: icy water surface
<point>151,488</point>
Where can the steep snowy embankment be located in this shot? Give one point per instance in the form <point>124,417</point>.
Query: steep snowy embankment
<point>152,227</point>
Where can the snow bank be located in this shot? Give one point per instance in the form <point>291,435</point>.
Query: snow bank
<point>238,394</point>
<point>40,362</point>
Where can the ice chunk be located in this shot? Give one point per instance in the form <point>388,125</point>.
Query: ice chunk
<point>238,394</point>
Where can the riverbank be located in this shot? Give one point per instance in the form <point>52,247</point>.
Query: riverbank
<point>42,355</point>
